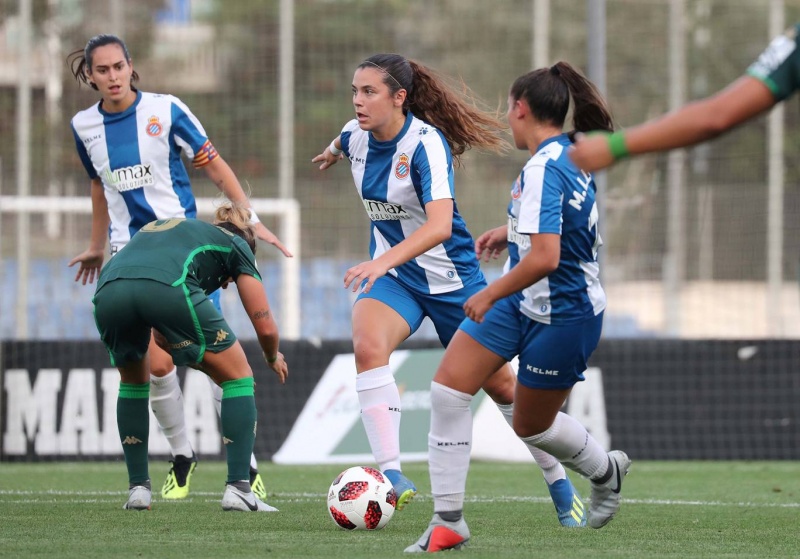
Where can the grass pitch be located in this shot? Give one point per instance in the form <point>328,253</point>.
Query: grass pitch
<point>669,509</point>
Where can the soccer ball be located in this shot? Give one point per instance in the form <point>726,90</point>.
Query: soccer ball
<point>361,498</point>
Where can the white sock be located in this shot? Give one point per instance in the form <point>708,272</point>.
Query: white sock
<point>166,399</point>
<point>569,442</point>
<point>551,467</point>
<point>216,395</point>
<point>380,414</point>
<point>449,445</point>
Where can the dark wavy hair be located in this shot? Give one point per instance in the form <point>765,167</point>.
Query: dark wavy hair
<point>429,97</point>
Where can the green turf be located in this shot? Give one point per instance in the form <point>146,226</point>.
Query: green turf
<point>670,509</point>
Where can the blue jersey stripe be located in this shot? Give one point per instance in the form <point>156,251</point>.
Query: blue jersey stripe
<point>177,170</point>
<point>124,152</point>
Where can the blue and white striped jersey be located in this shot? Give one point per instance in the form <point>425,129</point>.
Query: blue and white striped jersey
<point>137,155</point>
<point>395,180</point>
<point>551,195</point>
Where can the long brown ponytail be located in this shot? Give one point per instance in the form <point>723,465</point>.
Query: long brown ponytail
<point>429,97</point>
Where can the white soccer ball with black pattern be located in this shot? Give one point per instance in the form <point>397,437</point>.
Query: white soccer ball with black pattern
<point>361,498</point>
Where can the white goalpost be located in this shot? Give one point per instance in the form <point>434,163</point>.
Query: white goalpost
<point>285,209</point>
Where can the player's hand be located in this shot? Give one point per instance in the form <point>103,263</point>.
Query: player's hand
<point>489,245</point>
<point>368,272</point>
<point>591,152</point>
<point>269,237</point>
<point>478,305</point>
<point>91,261</point>
<point>326,159</point>
<point>280,367</point>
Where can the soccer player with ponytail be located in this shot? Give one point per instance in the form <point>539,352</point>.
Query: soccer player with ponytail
<point>547,309</point>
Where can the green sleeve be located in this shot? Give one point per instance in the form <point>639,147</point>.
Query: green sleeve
<point>778,67</point>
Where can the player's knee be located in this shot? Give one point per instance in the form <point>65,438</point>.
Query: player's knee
<point>370,354</point>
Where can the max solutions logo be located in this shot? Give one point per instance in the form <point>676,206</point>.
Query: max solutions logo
<point>129,178</point>
<point>385,211</point>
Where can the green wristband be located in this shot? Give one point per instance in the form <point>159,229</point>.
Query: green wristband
<point>273,359</point>
<point>616,143</point>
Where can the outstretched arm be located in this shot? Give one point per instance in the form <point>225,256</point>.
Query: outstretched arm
<point>693,123</point>
<point>223,176</point>
<point>91,260</point>
<point>255,303</point>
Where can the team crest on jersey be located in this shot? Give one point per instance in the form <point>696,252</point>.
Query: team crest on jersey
<point>516,190</point>
<point>403,167</point>
<point>154,127</point>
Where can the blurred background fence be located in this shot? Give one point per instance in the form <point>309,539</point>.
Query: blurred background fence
<point>700,244</point>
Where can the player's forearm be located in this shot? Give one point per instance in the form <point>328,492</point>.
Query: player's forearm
<point>225,179</point>
<point>693,124</point>
<point>702,120</point>
<point>528,271</point>
<point>100,218</point>
<point>418,243</point>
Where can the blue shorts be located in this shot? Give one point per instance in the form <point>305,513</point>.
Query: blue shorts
<point>446,310</point>
<point>215,300</point>
<point>550,356</point>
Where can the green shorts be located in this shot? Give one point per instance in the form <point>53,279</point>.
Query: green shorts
<point>126,309</point>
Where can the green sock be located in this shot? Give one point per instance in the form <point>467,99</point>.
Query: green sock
<point>238,418</point>
<point>133,421</point>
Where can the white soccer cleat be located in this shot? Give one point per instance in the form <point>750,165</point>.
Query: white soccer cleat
<point>606,496</point>
<point>239,496</point>
<point>139,497</point>
<point>441,535</point>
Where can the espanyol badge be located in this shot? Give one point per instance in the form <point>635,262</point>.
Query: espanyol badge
<point>154,127</point>
<point>402,168</point>
<point>516,190</point>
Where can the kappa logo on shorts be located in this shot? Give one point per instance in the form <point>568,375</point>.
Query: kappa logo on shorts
<point>222,335</point>
<point>403,167</point>
<point>154,127</point>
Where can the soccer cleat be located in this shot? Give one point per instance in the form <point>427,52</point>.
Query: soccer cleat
<point>176,486</point>
<point>568,503</point>
<point>606,496</point>
<point>139,497</point>
<point>440,536</point>
<point>238,496</point>
<point>257,484</point>
<point>403,487</point>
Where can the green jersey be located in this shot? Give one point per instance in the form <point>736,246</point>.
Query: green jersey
<point>182,251</point>
<point>779,65</point>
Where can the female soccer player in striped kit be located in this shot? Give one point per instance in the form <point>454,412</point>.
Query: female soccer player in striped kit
<point>130,143</point>
<point>547,309</point>
<point>409,129</point>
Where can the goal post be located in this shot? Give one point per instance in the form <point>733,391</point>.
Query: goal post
<point>287,211</point>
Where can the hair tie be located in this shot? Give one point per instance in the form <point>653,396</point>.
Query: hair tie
<point>554,70</point>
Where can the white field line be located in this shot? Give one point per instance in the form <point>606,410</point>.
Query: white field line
<point>66,496</point>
